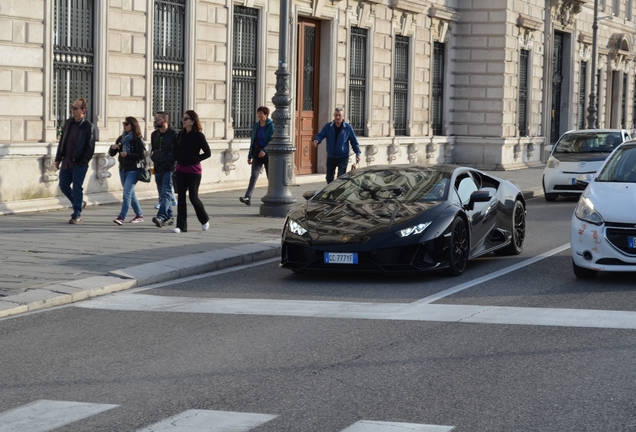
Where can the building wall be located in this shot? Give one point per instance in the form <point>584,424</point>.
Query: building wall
<point>483,40</point>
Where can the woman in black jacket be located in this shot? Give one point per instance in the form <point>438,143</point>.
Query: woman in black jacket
<point>131,149</point>
<point>192,147</point>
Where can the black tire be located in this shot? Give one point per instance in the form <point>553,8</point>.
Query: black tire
<point>583,273</point>
<point>550,197</point>
<point>518,231</point>
<point>458,250</point>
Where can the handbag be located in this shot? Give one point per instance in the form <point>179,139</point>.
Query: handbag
<point>143,175</point>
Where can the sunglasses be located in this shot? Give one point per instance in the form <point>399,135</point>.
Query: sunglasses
<point>125,123</point>
<point>186,119</point>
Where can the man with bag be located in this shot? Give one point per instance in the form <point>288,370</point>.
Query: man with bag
<point>74,152</point>
<point>339,135</point>
<point>163,140</point>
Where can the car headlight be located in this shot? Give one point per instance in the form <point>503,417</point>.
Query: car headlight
<point>295,227</point>
<point>553,162</point>
<point>585,211</point>
<point>416,229</point>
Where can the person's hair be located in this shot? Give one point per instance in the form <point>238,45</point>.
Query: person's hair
<point>196,123</point>
<point>163,114</point>
<point>339,109</point>
<point>84,103</point>
<point>263,109</point>
<point>134,126</point>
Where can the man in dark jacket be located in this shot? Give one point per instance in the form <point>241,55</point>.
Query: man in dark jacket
<point>339,135</point>
<point>74,152</point>
<point>163,140</point>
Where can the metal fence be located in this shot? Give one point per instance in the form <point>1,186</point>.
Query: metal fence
<point>72,57</point>
<point>244,64</point>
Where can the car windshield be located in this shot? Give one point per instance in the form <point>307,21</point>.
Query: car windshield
<point>621,167</point>
<point>393,185</point>
<point>588,142</point>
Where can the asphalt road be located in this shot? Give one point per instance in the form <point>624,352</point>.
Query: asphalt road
<point>263,349</point>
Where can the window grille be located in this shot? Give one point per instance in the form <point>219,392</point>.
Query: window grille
<point>169,59</point>
<point>437,104</point>
<point>244,59</point>
<point>598,97</point>
<point>358,79</point>
<point>634,106</point>
<point>523,92</point>
<point>624,103</point>
<point>72,57</point>
<point>582,93</point>
<point>400,84</point>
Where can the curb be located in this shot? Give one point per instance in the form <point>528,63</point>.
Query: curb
<point>134,277</point>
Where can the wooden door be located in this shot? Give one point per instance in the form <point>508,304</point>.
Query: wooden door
<point>307,96</point>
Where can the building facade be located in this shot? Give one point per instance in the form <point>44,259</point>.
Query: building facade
<point>486,83</point>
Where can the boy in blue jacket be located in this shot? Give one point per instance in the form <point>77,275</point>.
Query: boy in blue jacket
<point>339,136</point>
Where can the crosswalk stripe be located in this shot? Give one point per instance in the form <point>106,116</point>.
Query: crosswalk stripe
<point>375,311</point>
<point>378,426</point>
<point>47,415</point>
<point>210,421</point>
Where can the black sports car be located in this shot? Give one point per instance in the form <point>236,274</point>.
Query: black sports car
<point>404,218</point>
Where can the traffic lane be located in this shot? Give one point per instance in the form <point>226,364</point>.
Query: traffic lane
<point>547,230</point>
<point>320,374</point>
<point>551,283</point>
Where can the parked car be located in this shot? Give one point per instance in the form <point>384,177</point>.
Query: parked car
<point>575,153</point>
<point>603,229</point>
<point>404,218</point>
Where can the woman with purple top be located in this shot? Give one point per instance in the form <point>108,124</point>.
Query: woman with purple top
<point>192,147</point>
<point>262,133</point>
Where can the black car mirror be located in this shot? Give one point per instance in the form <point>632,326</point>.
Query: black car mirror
<point>478,196</point>
<point>309,195</point>
<point>583,180</point>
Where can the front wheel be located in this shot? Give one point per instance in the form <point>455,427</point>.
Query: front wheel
<point>550,197</point>
<point>459,249</point>
<point>518,239</point>
<point>582,272</point>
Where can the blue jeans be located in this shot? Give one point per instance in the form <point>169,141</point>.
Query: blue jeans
<point>76,177</point>
<point>340,163</point>
<point>128,181</point>
<point>164,188</point>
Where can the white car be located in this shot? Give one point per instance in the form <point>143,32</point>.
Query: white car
<point>603,229</point>
<point>575,153</point>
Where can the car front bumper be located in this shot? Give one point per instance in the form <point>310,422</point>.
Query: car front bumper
<point>602,248</point>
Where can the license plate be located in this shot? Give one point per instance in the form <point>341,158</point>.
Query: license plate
<point>573,181</point>
<point>631,242</point>
<point>341,258</point>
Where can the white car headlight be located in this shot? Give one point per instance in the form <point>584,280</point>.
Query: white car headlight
<point>295,227</point>
<point>416,229</point>
<point>585,211</point>
<point>553,162</point>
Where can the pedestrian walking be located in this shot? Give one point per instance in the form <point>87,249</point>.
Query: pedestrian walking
<point>163,140</point>
<point>192,147</point>
<point>257,157</point>
<point>74,152</point>
<point>132,150</point>
<point>339,135</point>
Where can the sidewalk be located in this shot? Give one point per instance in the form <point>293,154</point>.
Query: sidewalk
<point>47,262</point>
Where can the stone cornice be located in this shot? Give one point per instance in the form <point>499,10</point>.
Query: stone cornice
<point>585,38</point>
<point>412,6</point>
<point>443,13</point>
<point>528,22</point>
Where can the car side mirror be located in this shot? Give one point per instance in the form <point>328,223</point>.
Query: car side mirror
<point>583,180</point>
<point>548,148</point>
<point>309,195</point>
<point>478,196</point>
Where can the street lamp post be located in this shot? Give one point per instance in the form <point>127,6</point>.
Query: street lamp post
<point>279,199</point>
<point>591,109</point>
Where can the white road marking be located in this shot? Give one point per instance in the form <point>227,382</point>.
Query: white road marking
<point>47,415</point>
<point>493,275</point>
<point>377,426</point>
<point>373,311</point>
<point>210,421</point>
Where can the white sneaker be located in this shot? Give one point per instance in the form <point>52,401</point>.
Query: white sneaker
<point>176,230</point>
<point>205,226</point>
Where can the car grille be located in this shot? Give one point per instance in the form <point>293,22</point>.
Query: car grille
<point>617,236</point>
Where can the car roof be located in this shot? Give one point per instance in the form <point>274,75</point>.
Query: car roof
<point>595,131</point>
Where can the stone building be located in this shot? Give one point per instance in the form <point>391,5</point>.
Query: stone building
<point>486,83</point>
